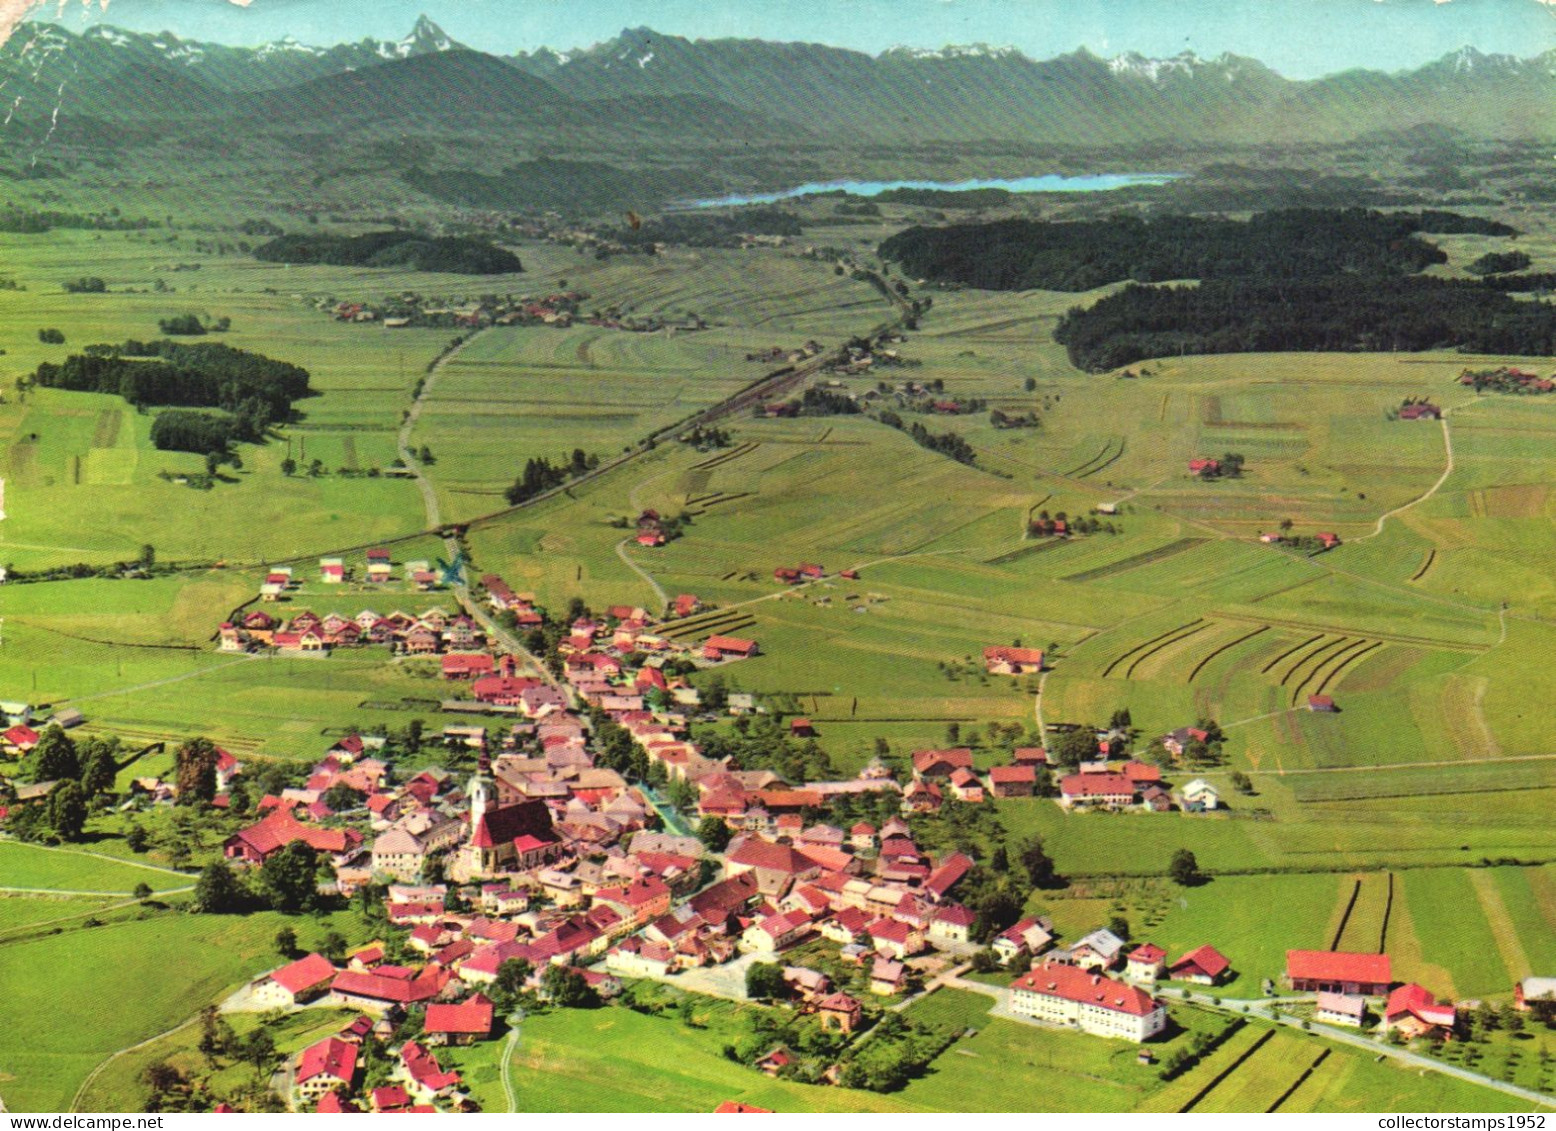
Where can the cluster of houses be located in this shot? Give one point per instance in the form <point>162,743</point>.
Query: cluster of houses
<point>1507,379</point>
<point>377,570</point>
<point>328,1074</point>
<point>773,355</point>
<point>1355,990</point>
<point>429,633</point>
<point>1132,785</point>
<point>558,309</point>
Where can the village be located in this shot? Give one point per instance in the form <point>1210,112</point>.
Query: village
<point>593,844</point>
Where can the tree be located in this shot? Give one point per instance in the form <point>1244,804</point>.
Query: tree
<point>99,766</point>
<point>713,833</point>
<point>289,466</point>
<point>136,839</point>
<point>333,946</point>
<point>764,982</point>
<point>1242,783</point>
<point>67,810</point>
<point>1184,869</point>
<point>1119,926</point>
<point>286,942</point>
<point>288,878</point>
<point>142,891</point>
<point>567,988</point>
<point>340,797</point>
<point>53,759</point>
<point>1039,865</point>
<point>218,891</point>
<point>511,978</point>
<point>259,1049</point>
<point>1074,747</point>
<point>195,771</point>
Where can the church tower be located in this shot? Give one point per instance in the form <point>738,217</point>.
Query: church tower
<point>481,791</point>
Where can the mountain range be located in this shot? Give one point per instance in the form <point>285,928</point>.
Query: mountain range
<point>766,92</point>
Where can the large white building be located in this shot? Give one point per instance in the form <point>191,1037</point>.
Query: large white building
<point>1058,994</point>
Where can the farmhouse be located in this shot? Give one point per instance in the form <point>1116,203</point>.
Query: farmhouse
<point>1096,791</point>
<point>296,983</point>
<point>729,648</point>
<point>326,1066</point>
<point>1070,997</point>
<point>1415,1012</point>
<point>1012,781</point>
<point>1012,661</point>
<point>1338,971</point>
<point>1321,703</point>
<point>941,763</point>
<point>462,1024</point>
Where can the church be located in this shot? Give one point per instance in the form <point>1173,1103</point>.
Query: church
<point>504,838</point>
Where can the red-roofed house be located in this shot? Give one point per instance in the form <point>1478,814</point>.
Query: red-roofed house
<point>895,938</point>
<point>776,866</point>
<point>776,932</point>
<point>1093,1003</point>
<point>295,983</point>
<point>19,740</point>
<point>467,665</point>
<point>326,1066</point>
<point>1204,965</point>
<point>1415,1012</point>
<point>1012,781</point>
<point>470,1020</point>
<point>253,844</point>
<point>1096,791</point>
<point>1012,661</point>
<point>941,763</point>
<point>1145,963</point>
<point>735,1107</point>
<point>426,1078</point>
<point>729,647</point>
<point>1338,971</point>
<point>952,923</point>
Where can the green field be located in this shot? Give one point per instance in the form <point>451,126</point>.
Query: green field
<point>213,954</point>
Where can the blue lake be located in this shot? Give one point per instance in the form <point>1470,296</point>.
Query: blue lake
<point>1050,182</point>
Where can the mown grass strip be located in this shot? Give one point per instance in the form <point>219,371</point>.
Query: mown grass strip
<point>1135,561</point>
<point>1199,667</point>
<point>1146,644</point>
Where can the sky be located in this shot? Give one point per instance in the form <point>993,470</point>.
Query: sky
<point>1299,38</point>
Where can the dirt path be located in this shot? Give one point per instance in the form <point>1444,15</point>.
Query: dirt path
<point>621,552</point>
<point>91,1077</point>
<point>1430,491</point>
<point>429,497</point>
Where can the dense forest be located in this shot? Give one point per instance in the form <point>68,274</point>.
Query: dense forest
<point>1340,312</point>
<point>257,390</point>
<point>414,251</point>
<point>1080,256</point>
<point>204,432</point>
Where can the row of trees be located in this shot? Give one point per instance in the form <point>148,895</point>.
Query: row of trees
<point>414,251</point>
<point>540,475</point>
<point>950,444</point>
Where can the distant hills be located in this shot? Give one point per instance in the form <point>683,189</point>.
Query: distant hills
<point>770,89</point>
